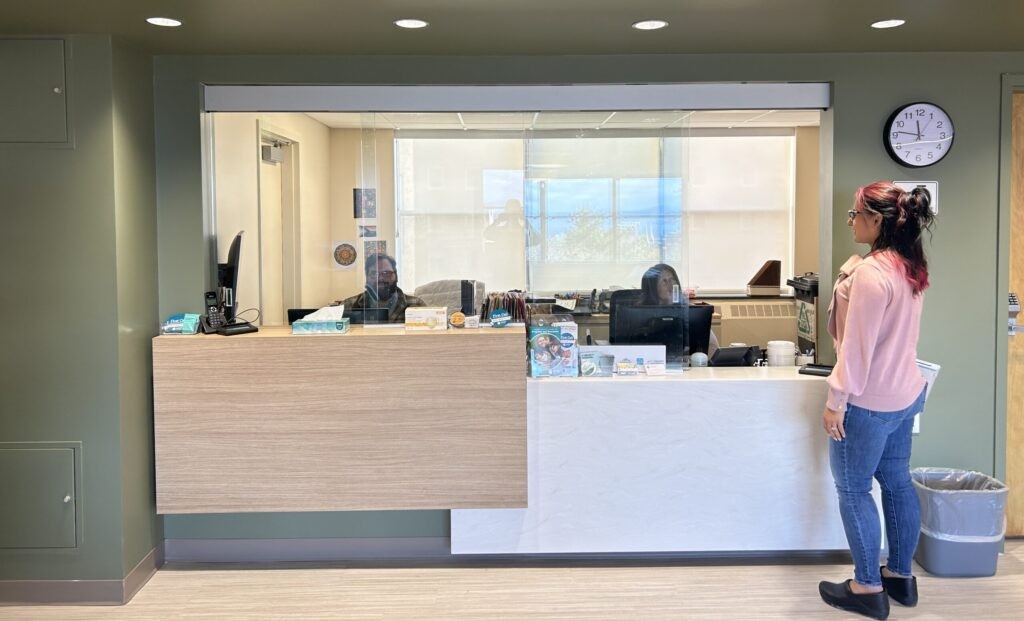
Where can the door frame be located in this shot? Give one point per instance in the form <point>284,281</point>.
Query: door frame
<point>291,270</point>
<point>1011,83</point>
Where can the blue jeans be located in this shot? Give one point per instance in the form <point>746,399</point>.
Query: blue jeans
<point>877,445</point>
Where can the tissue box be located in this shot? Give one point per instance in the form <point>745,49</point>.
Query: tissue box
<point>326,326</point>
<point>553,350</point>
<point>426,318</point>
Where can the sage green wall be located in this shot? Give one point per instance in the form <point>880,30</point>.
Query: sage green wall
<point>77,304</point>
<point>963,310</point>
<point>137,319</point>
<point>58,313</point>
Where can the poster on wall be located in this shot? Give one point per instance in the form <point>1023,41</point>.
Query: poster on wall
<point>367,230</point>
<point>345,255</point>
<point>364,202</point>
<point>378,246</point>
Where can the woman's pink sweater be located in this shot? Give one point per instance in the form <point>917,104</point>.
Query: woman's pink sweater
<point>874,319</point>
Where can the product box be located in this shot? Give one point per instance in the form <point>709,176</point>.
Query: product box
<point>620,360</point>
<point>426,318</point>
<point>553,350</point>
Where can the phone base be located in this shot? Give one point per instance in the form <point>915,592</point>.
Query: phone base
<point>237,328</point>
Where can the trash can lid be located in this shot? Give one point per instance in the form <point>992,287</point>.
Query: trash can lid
<point>807,284</point>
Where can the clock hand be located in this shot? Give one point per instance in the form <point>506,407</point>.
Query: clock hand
<point>907,133</point>
<point>918,128</point>
<point>910,144</point>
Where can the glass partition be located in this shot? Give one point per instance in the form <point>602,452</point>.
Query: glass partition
<point>541,202</point>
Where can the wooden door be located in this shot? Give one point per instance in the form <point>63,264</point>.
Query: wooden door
<point>1015,356</point>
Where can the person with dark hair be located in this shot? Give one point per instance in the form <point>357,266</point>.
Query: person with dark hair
<point>656,287</point>
<point>874,392</point>
<point>382,289</point>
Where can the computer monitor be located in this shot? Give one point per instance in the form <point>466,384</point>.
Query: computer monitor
<point>295,314</point>
<point>367,315</point>
<point>682,329</point>
<point>227,278</point>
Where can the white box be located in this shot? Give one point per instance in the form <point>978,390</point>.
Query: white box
<point>426,318</point>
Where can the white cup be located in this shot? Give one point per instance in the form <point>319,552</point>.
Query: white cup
<point>699,359</point>
<point>781,360</point>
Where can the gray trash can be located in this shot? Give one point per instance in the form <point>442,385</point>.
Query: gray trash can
<point>962,521</point>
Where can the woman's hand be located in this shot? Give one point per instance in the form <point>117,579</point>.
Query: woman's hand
<point>833,423</point>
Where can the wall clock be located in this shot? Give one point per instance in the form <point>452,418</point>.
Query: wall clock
<point>918,134</point>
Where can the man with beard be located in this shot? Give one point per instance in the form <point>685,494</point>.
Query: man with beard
<point>382,290</point>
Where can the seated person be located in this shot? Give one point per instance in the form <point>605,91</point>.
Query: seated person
<point>656,287</point>
<point>382,290</point>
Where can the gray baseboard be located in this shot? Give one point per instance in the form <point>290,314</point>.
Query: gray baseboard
<point>305,550</point>
<point>142,572</point>
<point>83,592</point>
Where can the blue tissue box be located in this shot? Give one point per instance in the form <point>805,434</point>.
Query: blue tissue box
<point>334,326</point>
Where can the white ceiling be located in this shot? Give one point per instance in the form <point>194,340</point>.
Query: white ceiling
<point>529,27</point>
<point>646,120</point>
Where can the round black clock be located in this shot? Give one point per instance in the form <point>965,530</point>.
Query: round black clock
<point>918,134</point>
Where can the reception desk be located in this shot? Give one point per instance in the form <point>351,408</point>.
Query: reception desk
<point>377,418</point>
<point>710,460</point>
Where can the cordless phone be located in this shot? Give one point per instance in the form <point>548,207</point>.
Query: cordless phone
<point>214,318</point>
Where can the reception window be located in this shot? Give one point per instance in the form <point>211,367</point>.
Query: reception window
<point>535,201</point>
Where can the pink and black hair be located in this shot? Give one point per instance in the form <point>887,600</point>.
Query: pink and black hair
<point>905,218</point>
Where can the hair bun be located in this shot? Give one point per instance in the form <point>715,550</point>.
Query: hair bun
<point>920,200</point>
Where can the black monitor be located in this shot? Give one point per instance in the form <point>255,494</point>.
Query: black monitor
<point>367,315</point>
<point>295,314</point>
<point>227,278</point>
<point>682,329</point>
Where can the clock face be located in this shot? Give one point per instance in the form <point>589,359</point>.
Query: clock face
<point>918,134</point>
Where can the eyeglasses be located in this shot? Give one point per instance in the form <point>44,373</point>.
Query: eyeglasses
<point>853,213</point>
<point>384,274</point>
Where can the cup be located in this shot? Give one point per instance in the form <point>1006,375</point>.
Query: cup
<point>781,360</point>
<point>699,359</point>
<point>801,360</point>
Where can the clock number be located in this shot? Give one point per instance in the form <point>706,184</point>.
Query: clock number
<point>895,135</point>
<point>938,147</point>
<point>930,156</point>
<point>899,123</point>
<point>907,155</point>
<point>920,112</point>
<point>942,135</point>
<point>908,115</point>
<point>899,145</point>
<point>917,158</point>
<point>939,125</point>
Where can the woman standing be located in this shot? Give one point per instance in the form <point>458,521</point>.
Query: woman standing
<point>875,390</point>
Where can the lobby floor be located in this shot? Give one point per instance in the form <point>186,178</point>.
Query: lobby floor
<point>662,590</point>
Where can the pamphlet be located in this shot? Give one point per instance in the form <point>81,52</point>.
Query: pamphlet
<point>553,350</point>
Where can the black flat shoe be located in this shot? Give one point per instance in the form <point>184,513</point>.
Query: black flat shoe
<point>874,605</point>
<point>903,590</point>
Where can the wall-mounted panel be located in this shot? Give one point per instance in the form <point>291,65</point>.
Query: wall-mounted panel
<point>37,498</point>
<point>33,108</point>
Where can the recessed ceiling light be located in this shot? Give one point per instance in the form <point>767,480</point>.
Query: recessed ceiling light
<point>411,23</point>
<point>650,24</point>
<point>888,23</point>
<point>164,21</point>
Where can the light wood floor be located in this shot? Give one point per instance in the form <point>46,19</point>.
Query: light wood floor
<point>655,591</point>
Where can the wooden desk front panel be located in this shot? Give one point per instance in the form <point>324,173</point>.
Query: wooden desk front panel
<point>376,419</point>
